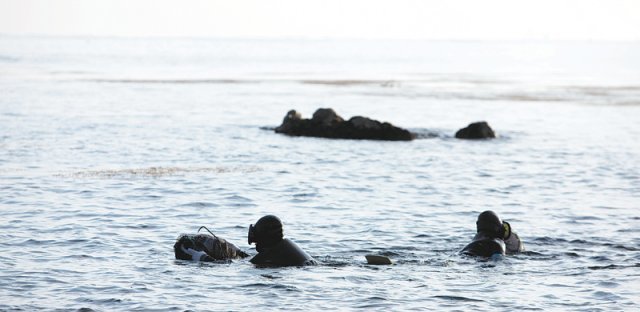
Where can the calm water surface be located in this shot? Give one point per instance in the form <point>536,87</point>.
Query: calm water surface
<point>110,148</point>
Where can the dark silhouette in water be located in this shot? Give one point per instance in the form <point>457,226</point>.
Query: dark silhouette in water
<point>273,249</point>
<point>205,247</point>
<point>476,130</point>
<point>493,237</point>
<point>326,123</point>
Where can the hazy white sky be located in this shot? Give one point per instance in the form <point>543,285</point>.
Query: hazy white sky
<point>420,19</point>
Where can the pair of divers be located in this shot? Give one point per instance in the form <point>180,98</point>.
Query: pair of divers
<point>273,249</point>
<point>493,237</point>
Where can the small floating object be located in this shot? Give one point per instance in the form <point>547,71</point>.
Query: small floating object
<point>378,260</point>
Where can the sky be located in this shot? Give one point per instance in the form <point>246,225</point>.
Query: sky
<point>366,19</point>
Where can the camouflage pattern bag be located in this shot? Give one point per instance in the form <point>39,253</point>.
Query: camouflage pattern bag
<point>216,248</point>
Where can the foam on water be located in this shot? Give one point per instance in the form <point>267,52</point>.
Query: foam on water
<point>110,148</point>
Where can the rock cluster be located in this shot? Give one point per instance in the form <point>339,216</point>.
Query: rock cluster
<point>326,123</point>
<point>476,130</point>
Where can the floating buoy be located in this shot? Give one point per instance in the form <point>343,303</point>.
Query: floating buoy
<point>378,260</point>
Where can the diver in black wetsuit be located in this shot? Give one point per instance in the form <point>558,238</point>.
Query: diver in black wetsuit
<point>273,249</point>
<point>493,237</point>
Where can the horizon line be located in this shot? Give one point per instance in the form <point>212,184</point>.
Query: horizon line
<point>310,38</point>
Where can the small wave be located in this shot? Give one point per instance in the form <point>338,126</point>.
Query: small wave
<point>137,226</point>
<point>332,261</point>
<point>238,198</point>
<point>608,95</point>
<point>428,134</point>
<point>37,242</point>
<point>622,247</point>
<point>101,301</point>
<point>299,195</point>
<point>69,72</point>
<point>329,82</point>
<point>273,286</point>
<point>533,97</point>
<point>548,240</point>
<point>605,295</point>
<point>600,258</point>
<point>599,90</point>
<point>155,172</point>
<point>351,82</point>
<point>457,298</point>
<point>383,305</point>
<point>82,256</point>
<point>199,204</point>
<point>621,96</point>
<point>608,284</point>
<point>580,241</point>
<point>572,254</point>
<point>586,218</point>
<point>613,267</point>
<point>12,170</point>
<point>177,81</point>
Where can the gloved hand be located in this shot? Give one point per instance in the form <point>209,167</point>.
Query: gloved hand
<point>506,227</point>
<point>195,255</point>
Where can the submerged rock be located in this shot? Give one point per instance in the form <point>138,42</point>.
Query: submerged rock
<point>325,123</point>
<point>476,130</point>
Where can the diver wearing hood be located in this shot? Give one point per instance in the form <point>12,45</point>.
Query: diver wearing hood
<point>493,236</point>
<point>273,249</point>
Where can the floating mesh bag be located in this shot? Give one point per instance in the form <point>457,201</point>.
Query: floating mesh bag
<point>215,247</point>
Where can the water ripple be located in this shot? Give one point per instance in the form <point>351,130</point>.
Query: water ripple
<point>154,172</point>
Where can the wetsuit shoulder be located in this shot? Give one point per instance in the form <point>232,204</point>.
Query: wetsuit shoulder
<point>285,253</point>
<point>484,246</point>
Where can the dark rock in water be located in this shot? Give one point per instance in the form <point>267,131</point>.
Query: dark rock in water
<point>292,121</point>
<point>325,123</point>
<point>326,117</point>
<point>476,130</point>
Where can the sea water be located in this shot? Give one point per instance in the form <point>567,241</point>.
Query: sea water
<point>112,147</point>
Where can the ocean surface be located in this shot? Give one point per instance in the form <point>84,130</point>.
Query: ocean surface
<point>112,147</point>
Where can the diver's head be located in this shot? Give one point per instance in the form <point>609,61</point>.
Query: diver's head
<point>266,233</point>
<point>490,224</point>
